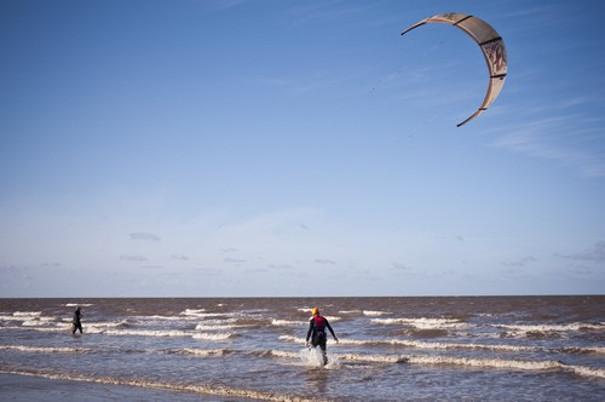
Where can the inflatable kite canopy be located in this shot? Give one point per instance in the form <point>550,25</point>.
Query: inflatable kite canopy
<point>491,45</point>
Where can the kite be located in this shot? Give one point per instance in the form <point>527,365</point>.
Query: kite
<point>491,45</point>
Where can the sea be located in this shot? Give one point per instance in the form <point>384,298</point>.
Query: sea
<point>243,349</point>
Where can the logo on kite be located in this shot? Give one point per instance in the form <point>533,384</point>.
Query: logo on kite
<point>491,45</point>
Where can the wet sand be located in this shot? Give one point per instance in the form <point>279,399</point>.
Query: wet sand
<point>26,389</point>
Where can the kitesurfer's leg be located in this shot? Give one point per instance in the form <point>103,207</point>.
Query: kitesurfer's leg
<point>322,345</point>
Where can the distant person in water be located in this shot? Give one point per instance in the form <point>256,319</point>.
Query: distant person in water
<point>317,332</point>
<point>76,322</point>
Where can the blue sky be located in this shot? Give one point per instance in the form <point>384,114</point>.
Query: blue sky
<point>285,148</point>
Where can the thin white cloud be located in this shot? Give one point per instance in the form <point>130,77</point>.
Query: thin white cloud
<point>231,260</point>
<point>520,262</point>
<point>595,253</point>
<point>564,139</point>
<point>144,236</point>
<point>136,258</point>
<point>324,261</point>
<point>398,266</point>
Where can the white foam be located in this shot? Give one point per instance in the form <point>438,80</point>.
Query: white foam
<point>374,313</point>
<point>163,317</point>
<point>78,304</point>
<point>57,328</point>
<point>350,311</point>
<point>102,326</point>
<point>423,323</point>
<point>287,323</point>
<point>332,318</point>
<point>210,315</point>
<point>43,349</point>
<point>205,352</point>
<point>145,332</point>
<point>27,314</point>
<point>216,327</point>
<point>31,323</point>
<point>213,337</point>
<point>13,318</point>
<point>576,326</point>
<point>372,358</point>
<point>509,364</point>
<point>193,312</point>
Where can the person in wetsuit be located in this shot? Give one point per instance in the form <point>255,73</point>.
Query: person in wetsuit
<point>317,333</point>
<point>76,322</point>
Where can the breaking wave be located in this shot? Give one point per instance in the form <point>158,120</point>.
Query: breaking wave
<point>78,304</point>
<point>205,352</point>
<point>43,349</point>
<point>453,346</point>
<point>216,327</point>
<point>542,330</point>
<point>213,337</point>
<point>27,314</point>
<point>287,323</point>
<point>374,313</point>
<point>145,332</point>
<point>423,323</point>
<point>523,365</point>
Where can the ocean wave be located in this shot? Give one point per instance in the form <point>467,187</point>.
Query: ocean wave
<point>213,337</point>
<point>78,304</point>
<point>420,345</point>
<point>43,349</point>
<point>57,328</point>
<point>523,365</point>
<point>145,332</point>
<point>374,313</point>
<point>545,328</point>
<point>213,390</point>
<point>583,350</point>
<point>349,312</point>
<point>423,322</point>
<point>102,326</point>
<point>216,327</point>
<point>287,323</point>
<point>191,311</point>
<point>205,352</point>
<point>453,346</point>
<point>35,321</point>
<point>27,314</point>
<point>164,317</point>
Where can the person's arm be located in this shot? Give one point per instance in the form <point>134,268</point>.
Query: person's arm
<point>331,331</point>
<point>309,331</point>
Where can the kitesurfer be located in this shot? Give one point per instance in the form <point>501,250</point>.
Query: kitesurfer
<point>317,333</point>
<point>76,321</point>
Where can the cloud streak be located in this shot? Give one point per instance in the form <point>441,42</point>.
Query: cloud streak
<point>595,254</point>
<point>144,236</point>
<point>521,262</point>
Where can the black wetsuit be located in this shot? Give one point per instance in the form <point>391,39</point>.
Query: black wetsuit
<point>317,333</point>
<point>77,324</point>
